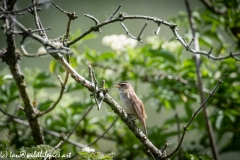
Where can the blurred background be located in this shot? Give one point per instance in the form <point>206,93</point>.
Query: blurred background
<point>156,69</point>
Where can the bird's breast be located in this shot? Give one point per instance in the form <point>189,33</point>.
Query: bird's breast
<point>127,106</point>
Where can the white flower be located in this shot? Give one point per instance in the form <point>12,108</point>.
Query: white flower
<point>154,41</point>
<point>171,46</point>
<point>119,42</point>
<point>88,149</point>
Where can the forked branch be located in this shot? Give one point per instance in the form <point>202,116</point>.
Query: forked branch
<point>185,128</point>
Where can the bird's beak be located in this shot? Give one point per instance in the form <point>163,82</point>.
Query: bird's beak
<point>117,85</point>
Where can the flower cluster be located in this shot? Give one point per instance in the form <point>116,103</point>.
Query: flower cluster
<point>156,43</point>
<point>119,42</point>
<point>88,149</point>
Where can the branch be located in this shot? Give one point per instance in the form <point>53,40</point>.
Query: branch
<point>210,7</point>
<point>11,116</point>
<point>98,94</point>
<point>110,18</point>
<point>179,138</point>
<point>95,141</point>
<point>71,16</point>
<point>94,81</point>
<point>60,144</point>
<point>75,127</point>
<point>128,33</point>
<point>200,86</point>
<point>161,76</point>
<point>93,18</point>
<point>220,81</point>
<point>50,45</point>
<point>63,85</point>
<point>158,29</point>
<point>9,9</point>
<point>53,133</point>
<point>172,26</point>
<point>114,106</point>
<point>89,85</point>
<point>37,20</point>
<point>12,62</point>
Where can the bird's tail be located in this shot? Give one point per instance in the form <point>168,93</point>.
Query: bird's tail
<point>143,122</point>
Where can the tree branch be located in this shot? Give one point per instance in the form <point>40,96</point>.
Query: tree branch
<point>97,139</point>
<point>12,62</point>
<point>210,6</point>
<point>11,116</point>
<point>172,26</point>
<point>200,86</point>
<point>53,133</point>
<point>63,85</point>
<point>185,128</point>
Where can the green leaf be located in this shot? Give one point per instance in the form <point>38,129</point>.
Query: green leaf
<point>42,76</point>
<point>52,66</point>
<point>214,35</point>
<point>219,120</point>
<point>89,36</point>
<point>205,41</point>
<point>73,87</point>
<point>162,53</point>
<point>44,85</point>
<point>89,54</point>
<point>107,55</point>
<point>44,105</point>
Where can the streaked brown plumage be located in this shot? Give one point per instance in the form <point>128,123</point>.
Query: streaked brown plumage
<point>133,105</point>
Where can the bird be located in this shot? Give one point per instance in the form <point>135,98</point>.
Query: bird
<point>132,104</point>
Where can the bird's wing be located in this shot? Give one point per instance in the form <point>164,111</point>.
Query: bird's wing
<point>137,105</point>
<point>139,110</point>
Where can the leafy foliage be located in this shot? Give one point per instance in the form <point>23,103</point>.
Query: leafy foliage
<point>164,76</point>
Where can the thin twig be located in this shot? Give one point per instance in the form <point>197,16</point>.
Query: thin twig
<point>46,42</point>
<point>110,18</point>
<point>93,18</point>
<point>53,149</point>
<point>210,52</point>
<point>185,128</point>
<point>37,30</point>
<point>95,90</point>
<point>128,33</point>
<point>26,8</point>
<point>158,29</point>
<point>11,116</point>
<point>60,9</point>
<point>209,127</point>
<point>67,31</point>
<point>179,137</point>
<point>72,15</point>
<point>96,140</point>
<point>165,146</point>
<point>63,85</point>
<point>211,7</point>
<point>172,26</point>
<point>139,36</point>
<point>37,21</point>
<point>75,127</point>
<point>148,151</point>
<point>53,133</point>
<point>90,73</point>
<point>191,42</point>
